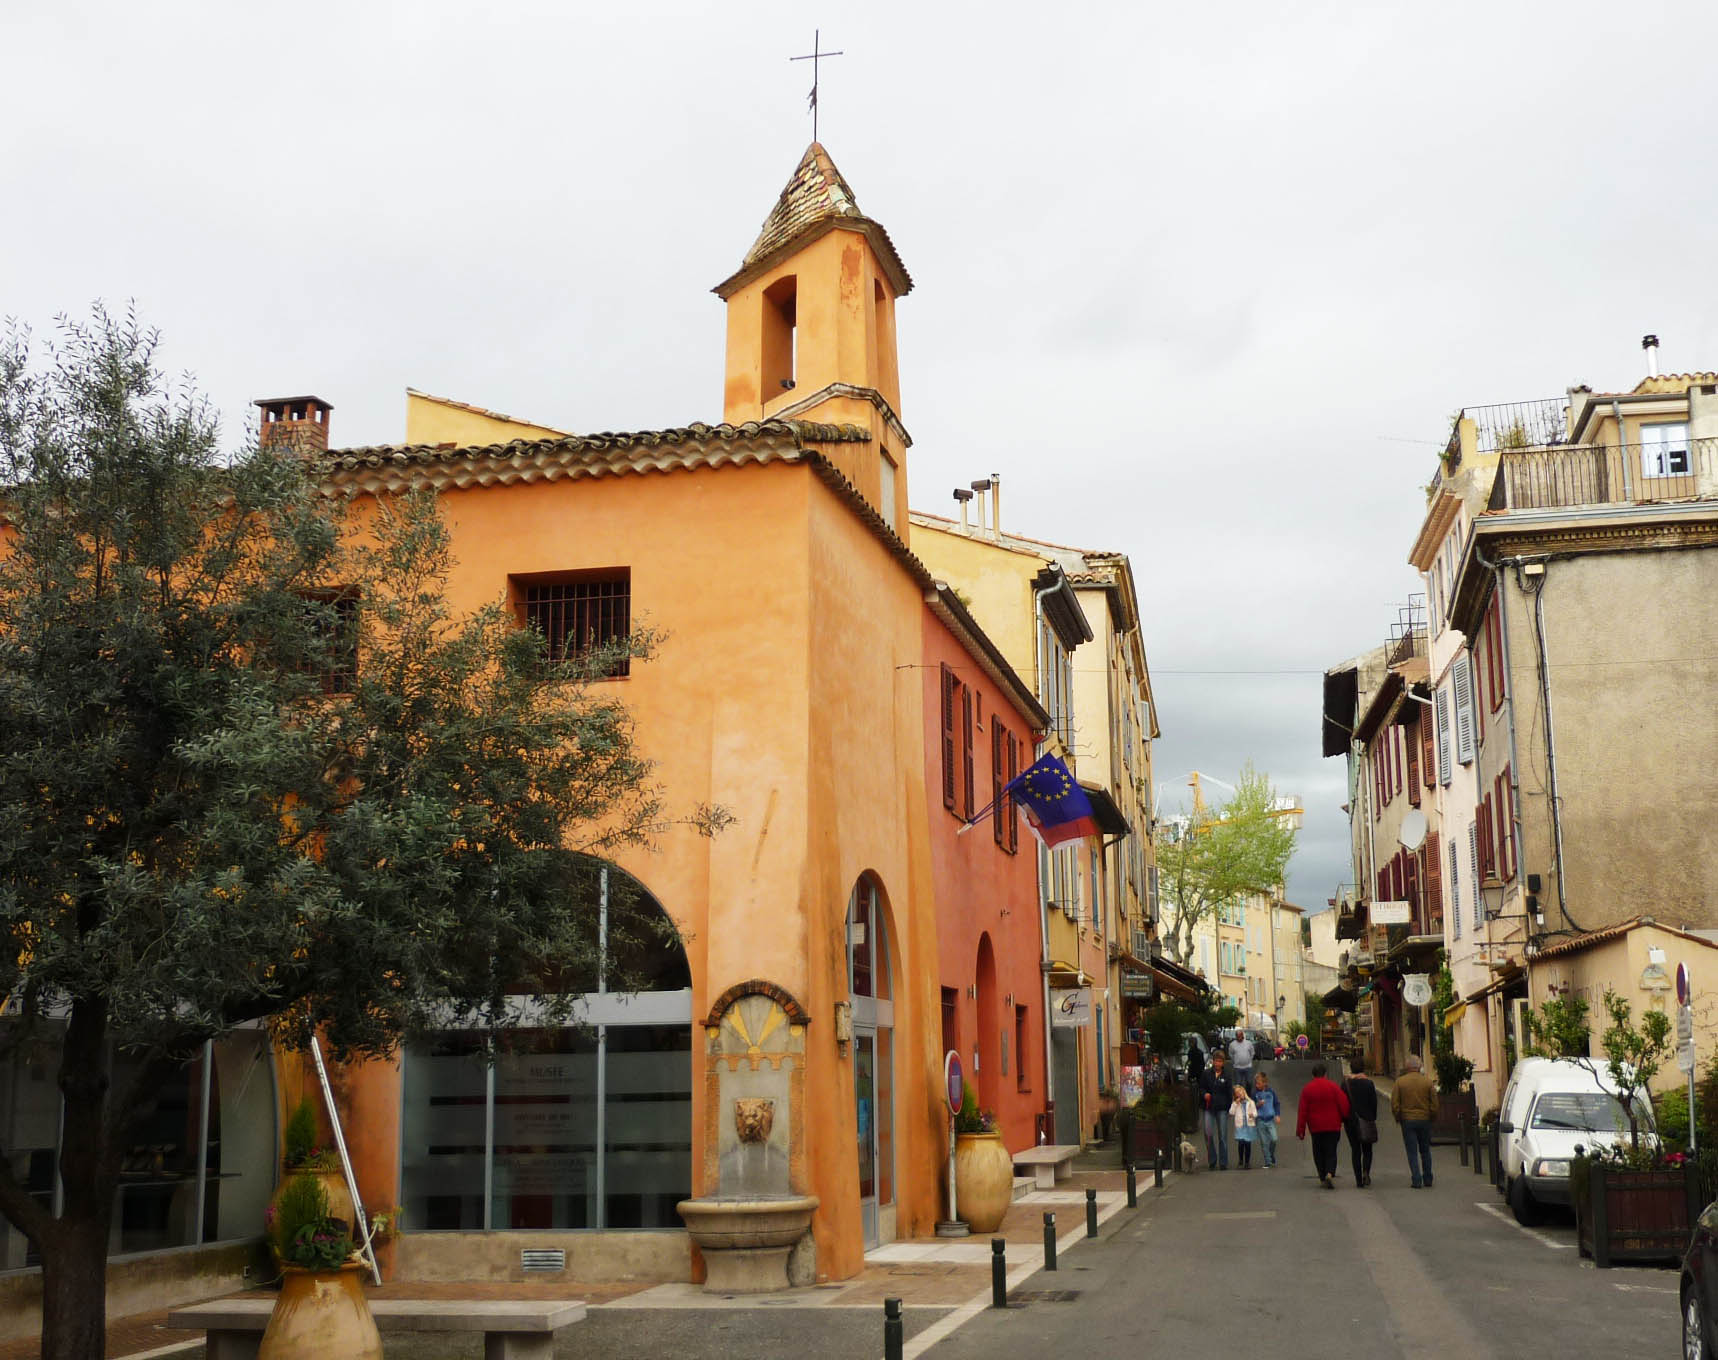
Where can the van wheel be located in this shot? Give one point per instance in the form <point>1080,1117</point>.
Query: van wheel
<point>1527,1210</point>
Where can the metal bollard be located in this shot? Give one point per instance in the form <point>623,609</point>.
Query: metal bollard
<point>1091,1213</point>
<point>1049,1241</point>
<point>892,1336</point>
<point>1132,1189</point>
<point>1157,1169</point>
<point>1461,1137</point>
<point>998,1273</point>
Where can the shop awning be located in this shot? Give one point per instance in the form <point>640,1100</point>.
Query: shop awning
<point>1454,1013</point>
<point>1171,978</point>
<point>1105,812</point>
<point>1342,998</point>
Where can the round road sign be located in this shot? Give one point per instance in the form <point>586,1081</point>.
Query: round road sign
<point>1302,1042</point>
<point>1683,989</point>
<point>953,1080</point>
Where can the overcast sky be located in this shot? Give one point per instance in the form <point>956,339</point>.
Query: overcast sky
<point>1203,283</point>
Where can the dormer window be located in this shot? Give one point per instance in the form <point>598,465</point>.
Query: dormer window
<point>1664,449</point>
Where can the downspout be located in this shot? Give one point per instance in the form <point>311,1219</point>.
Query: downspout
<point>1550,744</point>
<point>1628,495</point>
<point>1044,860</point>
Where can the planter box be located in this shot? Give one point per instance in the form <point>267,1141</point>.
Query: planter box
<point>1141,1140</point>
<point>1637,1215</point>
<point>1452,1109</point>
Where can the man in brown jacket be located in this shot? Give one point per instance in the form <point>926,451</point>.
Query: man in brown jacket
<point>1414,1103</point>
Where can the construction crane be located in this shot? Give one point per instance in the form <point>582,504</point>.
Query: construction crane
<point>1285,807</point>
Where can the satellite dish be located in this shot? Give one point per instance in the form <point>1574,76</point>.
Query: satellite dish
<point>1413,832</point>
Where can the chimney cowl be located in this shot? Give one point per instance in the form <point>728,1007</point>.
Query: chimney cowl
<point>298,423</point>
<point>1650,344</point>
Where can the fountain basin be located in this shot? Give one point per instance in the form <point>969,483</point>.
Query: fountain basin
<point>746,1241</point>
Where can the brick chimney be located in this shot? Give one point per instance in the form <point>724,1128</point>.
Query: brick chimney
<point>298,423</point>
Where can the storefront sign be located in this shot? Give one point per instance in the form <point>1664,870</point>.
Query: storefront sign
<point>1070,1007</point>
<point>1136,985</point>
<point>1416,989</point>
<point>1389,914</point>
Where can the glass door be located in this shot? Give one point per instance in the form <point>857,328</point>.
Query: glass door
<point>865,1103</point>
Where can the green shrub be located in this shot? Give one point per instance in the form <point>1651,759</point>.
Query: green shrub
<point>298,1139</point>
<point>971,1119</point>
<point>325,1245</point>
<point>302,1203</point>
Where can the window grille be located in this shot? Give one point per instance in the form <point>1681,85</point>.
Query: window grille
<point>576,617</point>
<point>334,620</point>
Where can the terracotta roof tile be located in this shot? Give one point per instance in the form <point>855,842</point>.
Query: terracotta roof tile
<point>815,198</point>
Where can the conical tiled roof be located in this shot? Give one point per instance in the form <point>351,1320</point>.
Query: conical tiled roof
<point>815,199</point>
<point>815,192</point>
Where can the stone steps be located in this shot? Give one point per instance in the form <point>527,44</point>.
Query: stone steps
<point>1022,1187</point>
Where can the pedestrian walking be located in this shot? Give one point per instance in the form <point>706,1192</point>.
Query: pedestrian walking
<point>1362,1122</point>
<point>1214,1098</point>
<point>1195,1063</point>
<point>1414,1102</point>
<point>1270,1110</point>
<point>1241,1060</point>
<point>1245,1115</point>
<point>1321,1110</point>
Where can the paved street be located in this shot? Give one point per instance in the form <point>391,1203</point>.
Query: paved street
<point>1267,1263</point>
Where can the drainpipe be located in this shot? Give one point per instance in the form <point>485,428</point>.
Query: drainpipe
<point>1628,489</point>
<point>1044,860</point>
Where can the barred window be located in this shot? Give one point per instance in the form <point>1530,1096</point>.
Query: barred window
<point>578,614</point>
<point>334,619</point>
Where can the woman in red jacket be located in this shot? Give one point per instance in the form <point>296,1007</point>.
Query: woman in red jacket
<point>1323,1109</point>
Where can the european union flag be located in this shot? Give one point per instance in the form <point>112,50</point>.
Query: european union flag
<point>1056,807</point>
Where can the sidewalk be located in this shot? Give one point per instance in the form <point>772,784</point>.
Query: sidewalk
<point>940,1282</point>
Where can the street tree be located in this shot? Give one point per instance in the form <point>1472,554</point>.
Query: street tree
<point>253,769</point>
<point>1214,857</point>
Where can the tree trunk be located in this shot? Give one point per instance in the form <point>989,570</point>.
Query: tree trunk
<point>74,1291</point>
<point>74,1251</point>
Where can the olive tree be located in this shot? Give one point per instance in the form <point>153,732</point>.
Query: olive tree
<point>252,767</point>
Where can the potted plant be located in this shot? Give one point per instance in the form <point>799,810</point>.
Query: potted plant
<point>302,1153</point>
<point>983,1170</point>
<point>321,1310</point>
<point>1633,1200</point>
<point>1152,1124</point>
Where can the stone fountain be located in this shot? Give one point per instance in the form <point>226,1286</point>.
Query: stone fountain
<point>754,1084</point>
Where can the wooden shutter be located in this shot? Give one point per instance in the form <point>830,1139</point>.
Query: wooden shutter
<point>1434,887</point>
<point>1505,826</point>
<point>1487,848</point>
<point>948,738</point>
<point>1461,682</point>
<point>1377,780</point>
<point>1473,870</point>
<point>1014,745</point>
<point>1494,636</point>
<point>998,823</point>
<point>1428,749</point>
<point>1411,891</point>
<point>1442,700</point>
<point>1411,740</point>
<point>966,788</point>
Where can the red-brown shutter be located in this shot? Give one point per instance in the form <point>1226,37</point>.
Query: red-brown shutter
<point>1434,886</point>
<point>1509,820</point>
<point>1494,631</point>
<point>1428,749</point>
<point>1411,740</point>
<point>966,786</point>
<point>1014,745</point>
<point>948,738</point>
<point>1377,780</point>
<point>998,824</point>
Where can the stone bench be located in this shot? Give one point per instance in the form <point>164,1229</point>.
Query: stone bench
<point>1050,1163</point>
<point>512,1330</point>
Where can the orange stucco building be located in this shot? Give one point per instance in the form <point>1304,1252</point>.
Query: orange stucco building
<point>770,552</point>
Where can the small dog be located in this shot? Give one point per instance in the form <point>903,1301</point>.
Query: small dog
<point>1189,1157</point>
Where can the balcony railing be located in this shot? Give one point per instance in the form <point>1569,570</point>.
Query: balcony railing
<point>1514,425</point>
<point>1572,475</point>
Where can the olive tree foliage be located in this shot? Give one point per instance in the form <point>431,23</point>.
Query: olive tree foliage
<point>200,828</point>
<point>1221,856</point>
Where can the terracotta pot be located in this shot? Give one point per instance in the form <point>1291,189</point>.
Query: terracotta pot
<point>320,1315</point>
<point>333,1185</point>
<point>983,1180</point>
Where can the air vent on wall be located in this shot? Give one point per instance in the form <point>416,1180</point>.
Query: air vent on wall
<point>537,1260</point>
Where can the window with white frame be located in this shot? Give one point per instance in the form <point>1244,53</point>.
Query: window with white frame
<point>1455,890</point>
<point>1664,449</point>
<point>1473,869</point>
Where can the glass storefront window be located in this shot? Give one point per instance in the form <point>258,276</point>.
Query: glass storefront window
<point>586,1126</point>
<point>180,1155</point>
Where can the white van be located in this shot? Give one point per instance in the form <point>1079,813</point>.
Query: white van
<point>1553,1106</point>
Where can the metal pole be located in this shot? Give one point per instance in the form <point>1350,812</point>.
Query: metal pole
<point>892,1337</point>
<point>1157,1170</point>
<point>366,1253</point>
<point>1049,1241</point>
<point>203,1142</point>
<point>1693,1118</point>
<point>1461,1136</point>
<point>1091,1213</point>
<point>1133,1187</point>
<point>998,1272</point>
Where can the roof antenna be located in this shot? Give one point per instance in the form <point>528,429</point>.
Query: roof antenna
<point>814,56</point>
<point>1650,344</point>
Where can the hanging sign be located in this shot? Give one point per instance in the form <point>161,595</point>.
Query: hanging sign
<point>1070,1007</point>
<point>1416,989</point>
<point>1389,914</point>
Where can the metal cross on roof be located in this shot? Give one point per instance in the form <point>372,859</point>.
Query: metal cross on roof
<point>814,56</point>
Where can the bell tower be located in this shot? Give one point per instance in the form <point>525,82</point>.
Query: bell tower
<point>811,329</point>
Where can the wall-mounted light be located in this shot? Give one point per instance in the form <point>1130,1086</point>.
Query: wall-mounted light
<point>843,1025</point>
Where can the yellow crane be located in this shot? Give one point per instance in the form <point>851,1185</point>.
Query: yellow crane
<point>1286,807</point>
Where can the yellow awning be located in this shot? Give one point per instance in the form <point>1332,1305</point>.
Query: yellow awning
<point>1454,1013</point>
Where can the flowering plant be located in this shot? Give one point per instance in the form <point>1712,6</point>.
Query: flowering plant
<point>323,1245</point>
<point>971,1119</point>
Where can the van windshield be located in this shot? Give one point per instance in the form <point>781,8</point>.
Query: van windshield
<point>1587,1111</point>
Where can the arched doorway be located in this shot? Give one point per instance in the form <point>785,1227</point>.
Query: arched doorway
<point>552,1125</point>
<point>870,985</point>
<point>986,1043</point>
